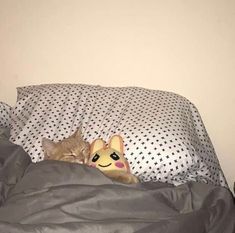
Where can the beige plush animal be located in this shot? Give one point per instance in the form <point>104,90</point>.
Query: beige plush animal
<point>72,149</point>
<point>111,161</point>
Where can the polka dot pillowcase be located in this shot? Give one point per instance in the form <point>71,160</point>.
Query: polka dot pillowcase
<point>165,139</point>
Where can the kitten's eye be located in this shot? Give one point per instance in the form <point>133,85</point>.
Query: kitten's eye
<point>71,153</point>
<point>114,156</point>
<point>95,158</point>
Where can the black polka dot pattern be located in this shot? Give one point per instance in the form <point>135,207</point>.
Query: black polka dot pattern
<point>5,112</point>
<point>165,139</point>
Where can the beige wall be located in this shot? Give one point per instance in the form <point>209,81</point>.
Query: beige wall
<point>187,47</point>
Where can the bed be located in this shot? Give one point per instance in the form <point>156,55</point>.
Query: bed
<point>182,188</point>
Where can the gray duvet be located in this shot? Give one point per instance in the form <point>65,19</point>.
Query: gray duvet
<point>52,196</point>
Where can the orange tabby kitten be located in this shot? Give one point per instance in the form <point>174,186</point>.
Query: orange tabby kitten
<point>72,149</point>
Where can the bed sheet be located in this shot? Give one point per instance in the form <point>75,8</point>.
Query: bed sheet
<point>53,196</point>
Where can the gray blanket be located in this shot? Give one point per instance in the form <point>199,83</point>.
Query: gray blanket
<point>52,196</point>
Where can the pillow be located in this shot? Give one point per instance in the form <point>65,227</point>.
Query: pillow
<point>5,110</point>
<point>165,139</point>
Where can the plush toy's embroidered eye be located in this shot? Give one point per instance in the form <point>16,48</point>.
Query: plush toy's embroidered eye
<point>95,158</point>
<point>114,156</point>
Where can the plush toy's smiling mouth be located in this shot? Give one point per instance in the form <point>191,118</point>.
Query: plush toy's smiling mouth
<point>104,165</point>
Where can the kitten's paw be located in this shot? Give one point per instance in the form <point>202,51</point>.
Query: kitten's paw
<point>129,179</point>
<point>134,180</point>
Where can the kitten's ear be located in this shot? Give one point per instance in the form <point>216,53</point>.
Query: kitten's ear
<point>78,133</point>
<point>47,146</point>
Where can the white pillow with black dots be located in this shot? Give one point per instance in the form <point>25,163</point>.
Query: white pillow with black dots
<point>164,136</point>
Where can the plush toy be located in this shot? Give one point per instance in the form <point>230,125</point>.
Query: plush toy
<point>110,160</point>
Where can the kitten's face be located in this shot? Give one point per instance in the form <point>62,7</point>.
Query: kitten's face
<point>72,149</point>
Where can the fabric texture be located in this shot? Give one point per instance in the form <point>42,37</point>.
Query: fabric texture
<point>13,162</point>
<point>164,136</point>
<point>5,112</point>
<point>4,133</point>
<point>60,197</point>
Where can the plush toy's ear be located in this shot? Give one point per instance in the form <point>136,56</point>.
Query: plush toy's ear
<point>116,143</point>
<point>97,145</point>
